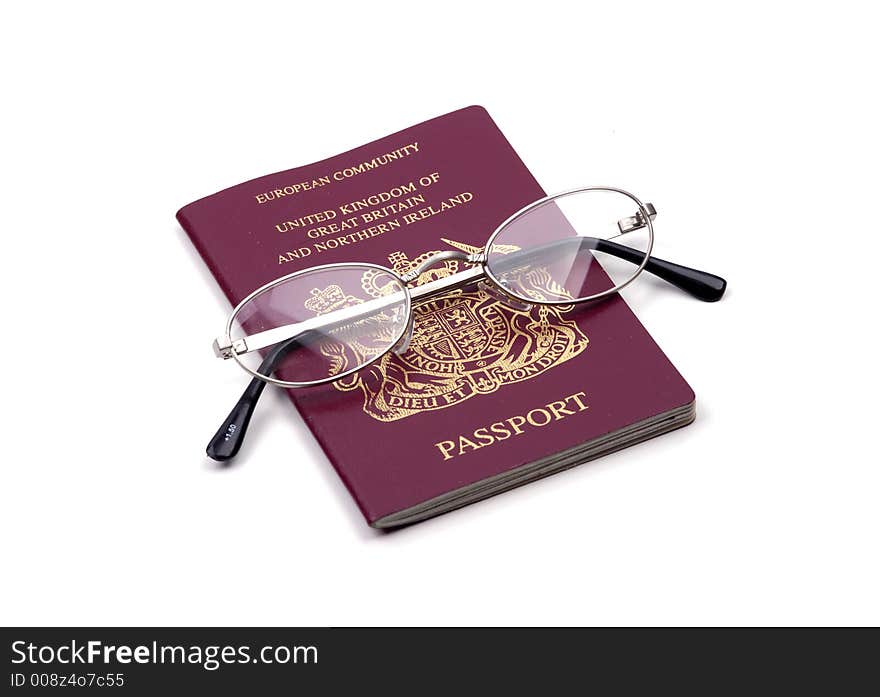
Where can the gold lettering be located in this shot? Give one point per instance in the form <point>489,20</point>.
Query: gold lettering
<point>378,161</point>
<point>464,442</point>
<point>377,199</point>
<point>500,432</point>
<point>291,189</point>
<point>577,398</point>
<point>516,422</point>
<point>558,409</point>
<point>532,420</point>
<point>446,447</point>
<point>448,204</point>
<point>281,192</point>
<point>300,253</point>
<point>486,436</point>
<point>482,435</point>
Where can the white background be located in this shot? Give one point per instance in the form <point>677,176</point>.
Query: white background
<point>753,129</point>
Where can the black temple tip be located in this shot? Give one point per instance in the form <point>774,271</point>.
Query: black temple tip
<point>229,437</point>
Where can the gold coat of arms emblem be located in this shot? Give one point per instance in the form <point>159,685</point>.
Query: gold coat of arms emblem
<point>466,343</point>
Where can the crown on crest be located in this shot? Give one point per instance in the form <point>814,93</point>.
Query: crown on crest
<point>329,299</point>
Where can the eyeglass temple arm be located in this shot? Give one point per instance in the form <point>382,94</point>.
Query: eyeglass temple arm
<point>700,284</point>
<point>229,437</point>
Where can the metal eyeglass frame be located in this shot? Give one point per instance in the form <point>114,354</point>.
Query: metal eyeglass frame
<point>228,439</point>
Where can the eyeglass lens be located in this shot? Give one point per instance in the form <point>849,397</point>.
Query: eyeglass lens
<point>325,352</point>
<point>563,250</point>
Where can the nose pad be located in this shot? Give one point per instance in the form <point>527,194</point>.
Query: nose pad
<point>494,291</point>
<point>402,345</point>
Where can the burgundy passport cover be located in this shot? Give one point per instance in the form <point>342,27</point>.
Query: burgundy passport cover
<point>508,387</point>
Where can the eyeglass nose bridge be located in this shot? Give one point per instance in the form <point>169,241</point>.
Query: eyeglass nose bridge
<point>412,275</point>
<point>402,345</point>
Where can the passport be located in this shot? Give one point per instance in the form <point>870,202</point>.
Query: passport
<point>488,396</point>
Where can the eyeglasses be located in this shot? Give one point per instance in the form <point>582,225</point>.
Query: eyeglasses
<point>326,322</point>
